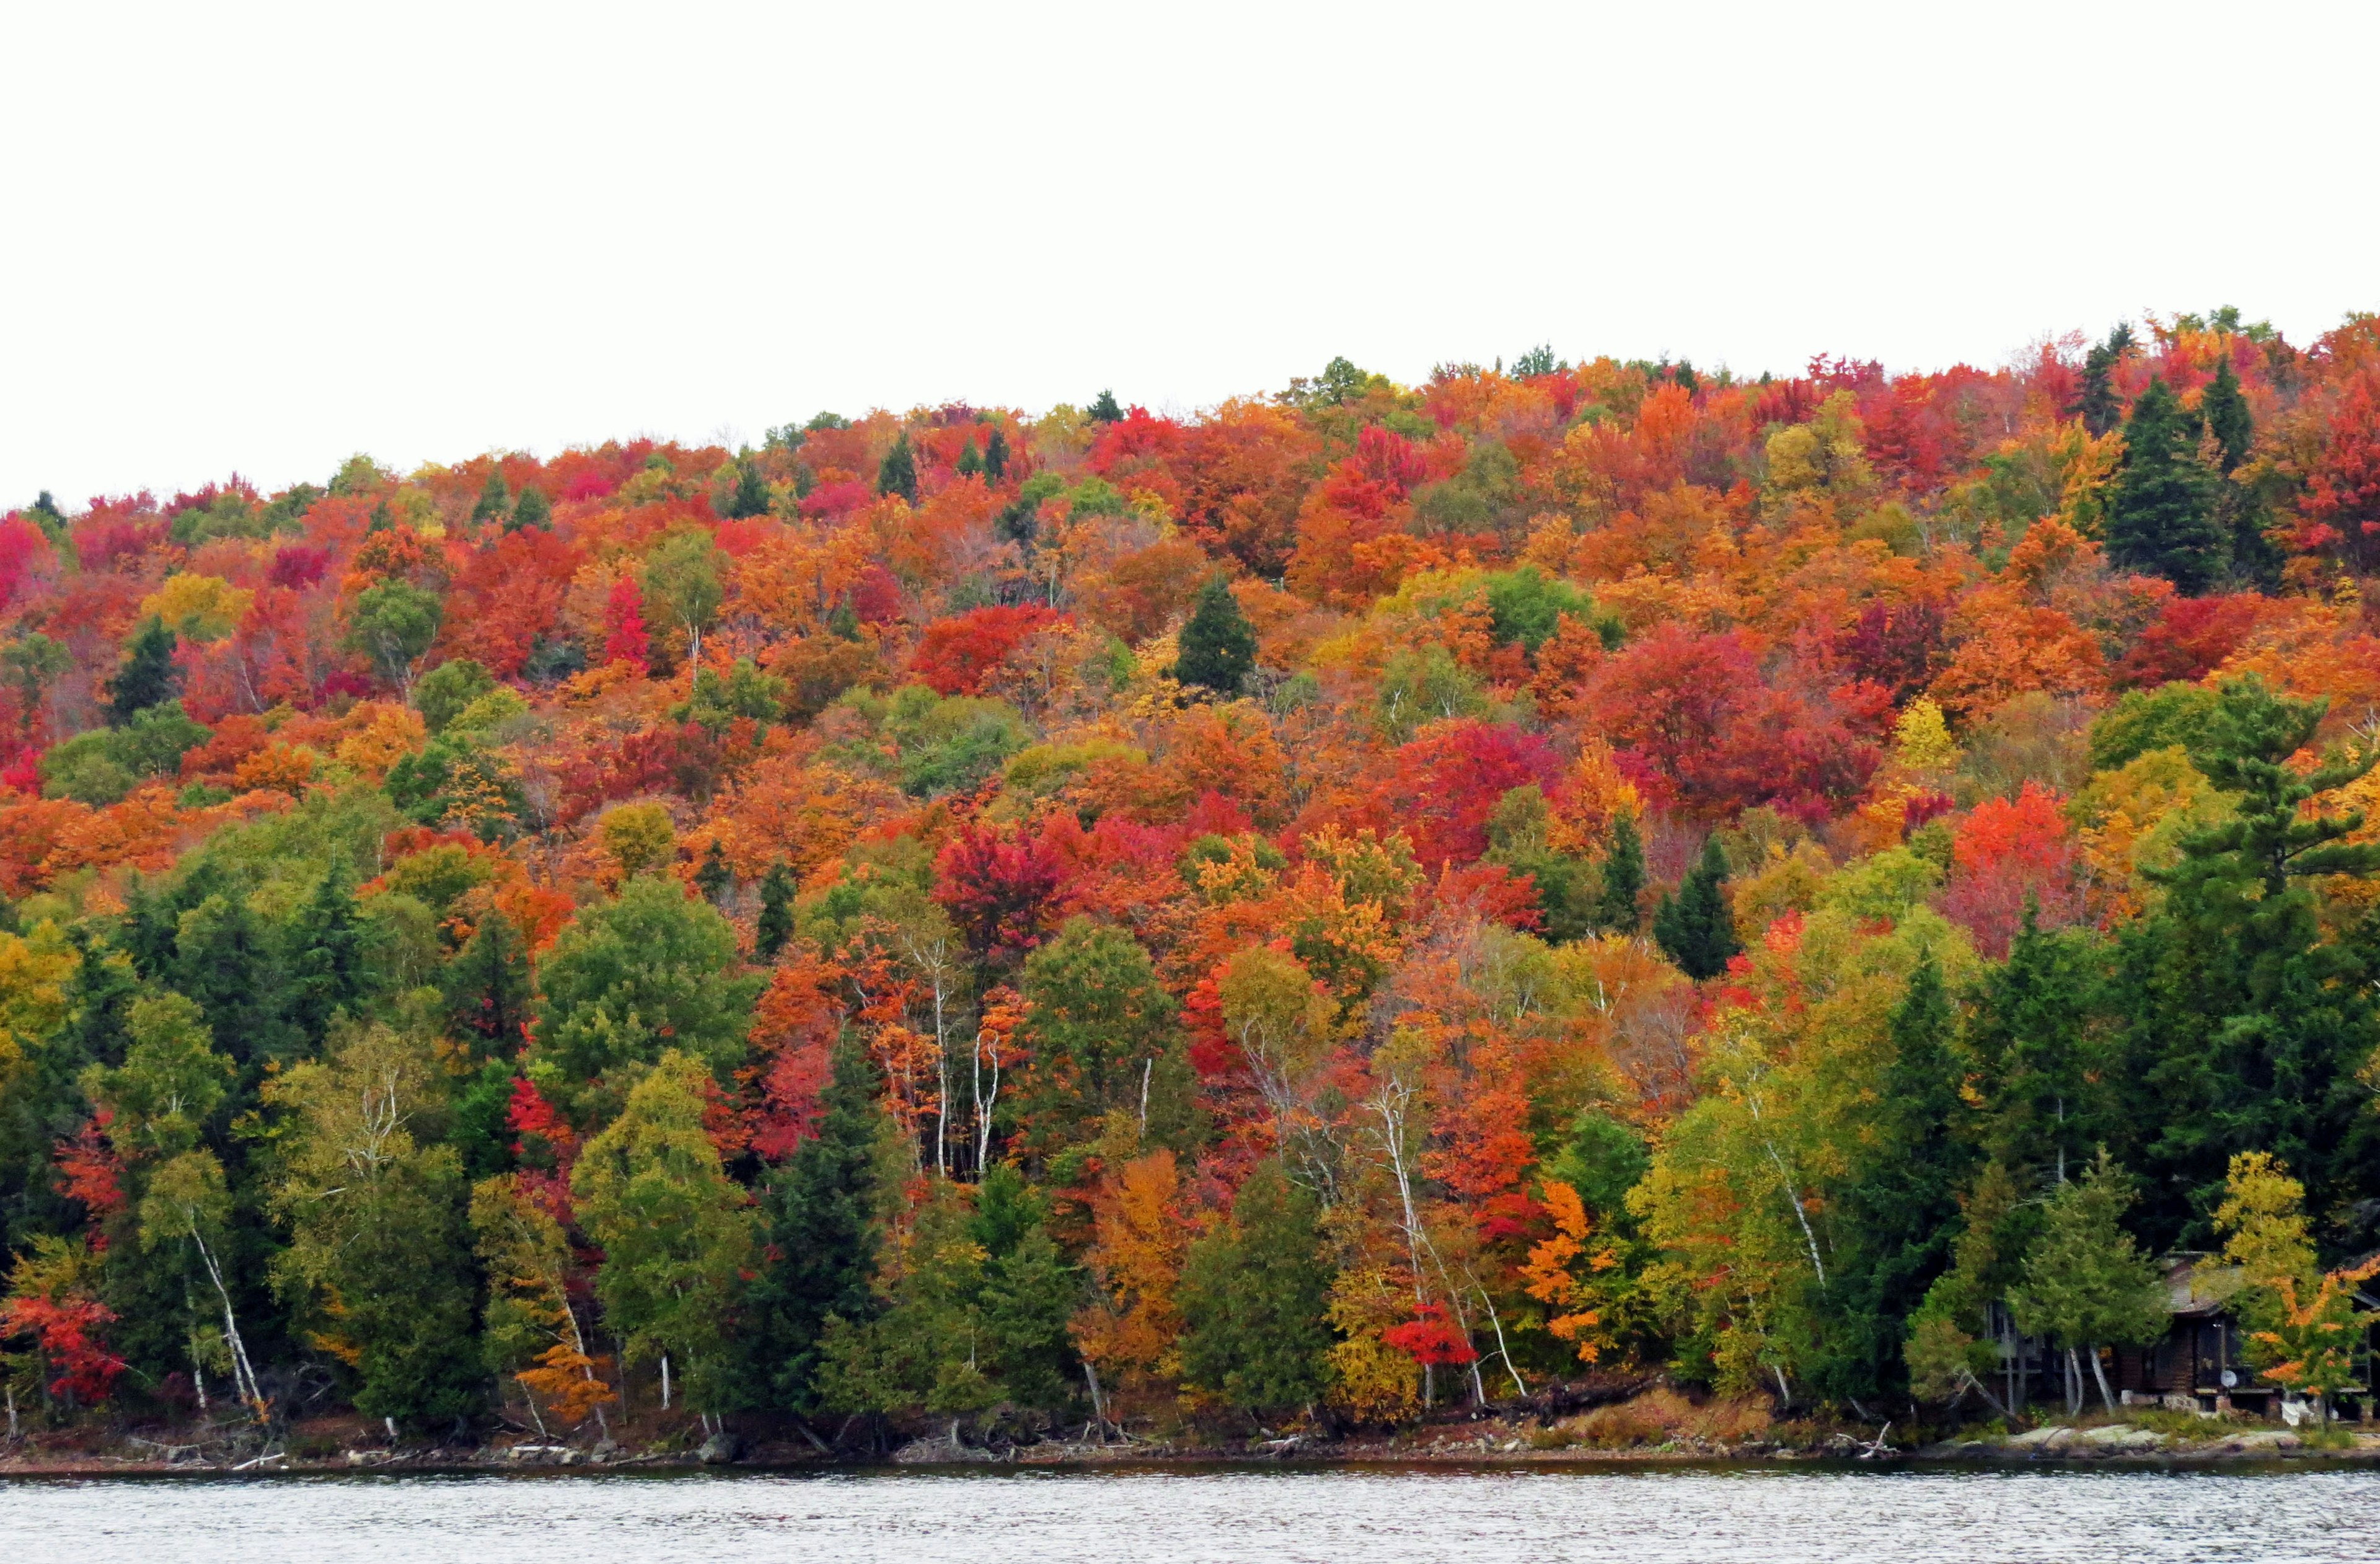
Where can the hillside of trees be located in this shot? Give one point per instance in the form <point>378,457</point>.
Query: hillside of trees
<point>1362,899</point>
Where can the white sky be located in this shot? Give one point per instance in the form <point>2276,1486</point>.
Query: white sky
<point>262,238</point>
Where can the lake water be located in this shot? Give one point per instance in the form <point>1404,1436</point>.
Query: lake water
<point>1769,1515</point>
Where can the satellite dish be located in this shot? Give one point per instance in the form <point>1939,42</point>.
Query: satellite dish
<point>2230,1379</point>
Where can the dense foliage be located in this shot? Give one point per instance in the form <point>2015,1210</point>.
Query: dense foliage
<point>1362,896</point>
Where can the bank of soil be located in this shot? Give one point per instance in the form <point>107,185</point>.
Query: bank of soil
<point>1657,1427</point>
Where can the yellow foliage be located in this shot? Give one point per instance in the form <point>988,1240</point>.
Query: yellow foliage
<point>1921,738</point>
<point>198,608</point>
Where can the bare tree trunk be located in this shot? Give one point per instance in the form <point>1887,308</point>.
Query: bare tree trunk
<point>2106,1398</point>
<point>243,1376</point>
<point>665,1382</point>
<point>1099,1402</point>
<point>2073,1385</point>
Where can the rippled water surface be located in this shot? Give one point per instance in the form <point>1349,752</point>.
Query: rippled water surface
<point>1129,1518</point>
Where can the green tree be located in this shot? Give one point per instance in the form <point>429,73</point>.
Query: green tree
<point>533,509</point>
<point>775,925</point>
<point>995,455</point>
<point>712,876</point>
<point>378,1262</point>
<point>970,463</point>
<point>650,970</point>
<point>487,986</point>
<point>1695,926</point>
<point>1623,879</point>
<point>146,676</point>
<point>2040,1052</point>
<point>1104,1040</point>
<point>495,500</point>
<point>819,1224</point>
<point>2086,1284</point>
<point>897,474</point>
<point>681,580</point>
<point>393,625</point>
<point>1103,409</point>
<point>226,958</point>
<point>1252,1298</point>
<point>2225,408</point>
<point>1217,645</point>
<point>676,1231</point>
<point>32,662</point>
<point>2097,405</point>
<point>2161,514</point>
<point>750,497</point>
<point>443,692</point>
<point>327,956</point>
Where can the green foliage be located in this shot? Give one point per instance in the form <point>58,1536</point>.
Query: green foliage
<point>1104,1040</point>
<point>1418,688</point>
<point>1617,909</point>
<point>2145,720</point>
<point>486,987</point>
<point>495,503</point>
<point>1252,1301</point>
<point>681,583</point>
<point>532,509</point>
<point>651,972</point>
<point>146,676</point>
<point>2161,515</point>
<point>394,624</point>
<point>447,690</point>
<point>2086,1284</point>
<point>101,765</point>
<point>1695,927</point>
<point>744,692</point>
<point>775,925</point>
<point>897,474</point>
<point>1569,896</point>
<point>1217,645</point>
<point>1527,607</point>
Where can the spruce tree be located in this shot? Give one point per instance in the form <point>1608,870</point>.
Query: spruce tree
<point>714,879</point>
<point>821,1239</point>
<point>487,984</point>
<point>776,924</point>
<point>1623,879</point>
<point>2097,405</point>
<point>533,509</point>
<point>326,955</point>
<point>2161,517</point>
<point>1103,409</point>
<point>495,500</point>
<point>1252,1298</point>
<point>751,496</point>
<point>1218,646</point>
<point>148,675</point>
<point>995,456</point>
<point>1695,926</point>
<point>970,460</point>
<point>898,472</point>
<point>2225,407</point>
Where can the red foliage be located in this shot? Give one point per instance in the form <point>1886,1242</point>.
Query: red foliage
<point>2190,640</point>
<point>2343,491</point>
<point>533,1118</point>
<point>624,625</point>
<point>1431,1338</point>
<point>1002,891</point>
<point>1900,646</point>
<point>90,1173</point>
<point>2008,853</point>
<point>1441,788</point>
<point>955,654</point>
<point>24,554</point>
<point>794,1029</point>
<point>67,1333</point>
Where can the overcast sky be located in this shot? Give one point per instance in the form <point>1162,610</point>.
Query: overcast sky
<point>254,238</point>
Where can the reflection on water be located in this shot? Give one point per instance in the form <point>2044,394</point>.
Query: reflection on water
<point>1771,1516</point>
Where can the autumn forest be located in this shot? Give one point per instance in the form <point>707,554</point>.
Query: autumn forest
<point>1363,899</point>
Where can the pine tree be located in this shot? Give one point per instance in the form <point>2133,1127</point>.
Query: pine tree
<point>818,1212</point>
<point>326,955</point>
<point>495,500</point>
<point>2086,1285</point>
<point>148,675</point>
<point>487,984</point>
<point>533,509</point>
<point>2097,405</point>
<point>970,460</point>
<point>1219,646</point>
<point>995,456</point>
<point>714,879</point>
<point>1103,409</point>
<point>898,472</point>
<point>2161,517</point>
<point>1623,879</point>
<point>751,496</point>
<point>1695,926</point>
<point>2225,407</point>
<point>776,923</point>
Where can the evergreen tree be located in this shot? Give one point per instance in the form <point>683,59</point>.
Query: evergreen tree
<point>2038,1047</point>
<point>2161,514</point>
<point>751,496</point>
<point>1104,1040</point>
<point>970,460</point>
<point>2086,1285</point>
<point>897,474</point>
<point>1695,926</point>
<point>1103,409</point>
<point>714,879</point>
<point>487,984</point>
<point>495,500</point>
<point>995,456</point>
<point>223,959</point>
<point>326,956</point>
<point>1217,646</point>
<point>776,922</point>
<point>2244,1024</point>
<point>533,509</point>
<point>148,675</point>
<point>2225,408</point>
<point>1623,879</point>
<point>2096,403</point>
<point>1252,1298</point>
<point>819,1227</point>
